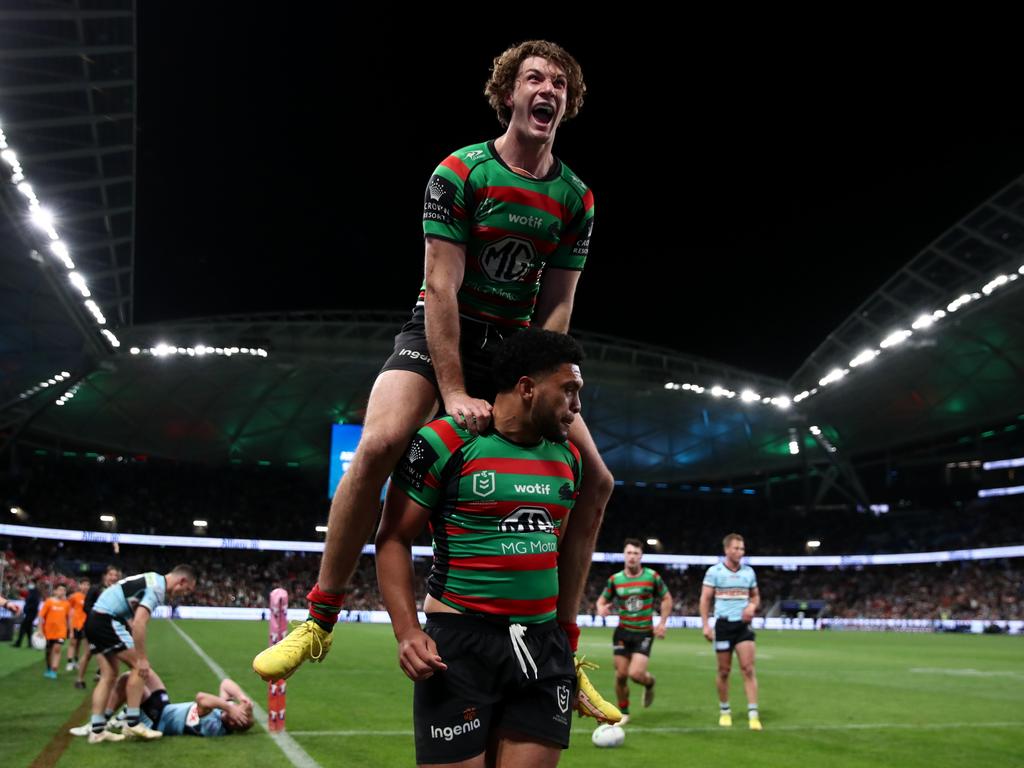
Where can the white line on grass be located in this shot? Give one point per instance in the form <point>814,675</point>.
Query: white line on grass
<point>296,754</point>
<point>717,729</point>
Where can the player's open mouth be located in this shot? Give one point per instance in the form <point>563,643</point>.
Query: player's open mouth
<point>543,113</point>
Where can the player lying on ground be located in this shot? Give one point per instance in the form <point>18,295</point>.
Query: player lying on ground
<point>230,711</point>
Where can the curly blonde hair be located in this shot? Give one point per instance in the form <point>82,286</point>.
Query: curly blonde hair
<point>506,68</point>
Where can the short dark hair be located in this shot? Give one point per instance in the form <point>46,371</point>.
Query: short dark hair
<point>633,543</point>
<point>730,539</point>
<point>183,569</point>
<point>531,352</point>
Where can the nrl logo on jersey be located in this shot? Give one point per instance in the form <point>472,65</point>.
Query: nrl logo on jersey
<point>563,698</point>
<point>484,483</point>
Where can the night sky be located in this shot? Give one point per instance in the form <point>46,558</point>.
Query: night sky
<point>749,194</point>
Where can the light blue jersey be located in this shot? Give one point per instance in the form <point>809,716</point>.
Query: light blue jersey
<point>184,720</point>
<point>120,600</point>
<point>732,589</point>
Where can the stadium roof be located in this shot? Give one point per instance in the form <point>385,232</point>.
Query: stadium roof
<point>68,107</point>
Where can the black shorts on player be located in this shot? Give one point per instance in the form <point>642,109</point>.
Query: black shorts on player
<point>729,634</point>
<point>485,688</point>
<point>106,634</point>
<point>477,342</point>
<point>626,643</point>
<point>51,643</point>
<point>153,705</point>
<point>80,633</point>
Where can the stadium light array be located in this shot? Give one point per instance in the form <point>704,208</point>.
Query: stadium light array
<point>107,518</point>
<point>65,398</point>
<point>748,395</point>
<point>653,542</point>
<point>163,349</point>
<point>44,219</point>
<point>1004,464</point>
<point>813,544</point>
<point>53,381</point>
<point>199,523</point>
<point>924,321</point>
<point>794,441</point>
<point>321,529</point>
<point>986,493</point>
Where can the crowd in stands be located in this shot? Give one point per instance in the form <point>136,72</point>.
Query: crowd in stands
<point>240,501</point>
<point>990,589</point>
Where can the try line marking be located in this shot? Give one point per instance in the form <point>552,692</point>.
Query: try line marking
<point>295,754</point>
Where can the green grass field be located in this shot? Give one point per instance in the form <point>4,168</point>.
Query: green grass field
<point>841,699</point>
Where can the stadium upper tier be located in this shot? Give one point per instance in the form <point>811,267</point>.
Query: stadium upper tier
<point>936,353</point>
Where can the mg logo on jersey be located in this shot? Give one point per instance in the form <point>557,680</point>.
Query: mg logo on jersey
<point>507,260</point>
<point>527,520</point>
<point>563,698</point>
<point>484,483</point>
<point>634,603</point>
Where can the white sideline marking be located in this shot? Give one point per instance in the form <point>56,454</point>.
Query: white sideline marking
<point>295,754</point>
<point>717,729</point>
<point>963,672</point>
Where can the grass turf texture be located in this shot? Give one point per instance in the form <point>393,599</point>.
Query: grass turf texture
<point>844,699</point>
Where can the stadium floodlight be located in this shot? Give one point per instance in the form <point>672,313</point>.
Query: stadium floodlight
<point>107,518</point>
<point>1021,269</point>
<point>109,336</point>
<point>653,542</point>
<point>321,529</point>
<point>794,441</point>
<point>864,357</point>
<point>897,337</point>
<point>135,350</point>
<point>41,217</point>
<point>997,282</point>
<point>717,391</point>
<point>922,322</point>
<point>781,401</point>
<point>986,493</point>
<point>669,385</point>
<point>749,396</point>
<point>9,157</point>
<point>79,282</point>
<point>1004,464</point>
<point>815,430</point>
<point>15,510</point>
<point>834,375</point>
<point>813,544</point>
<point>61,252</point>
<point>954,305</point>
<point>199,523</point>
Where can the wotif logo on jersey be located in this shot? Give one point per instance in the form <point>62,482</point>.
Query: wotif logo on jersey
<point>484,483</point>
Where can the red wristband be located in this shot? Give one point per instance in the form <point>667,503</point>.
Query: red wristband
<point>572,631</point>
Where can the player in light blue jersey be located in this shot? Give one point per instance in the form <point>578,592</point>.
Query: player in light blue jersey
<point>131,600</point>
<point>733,588</point>
<point>229,711</point>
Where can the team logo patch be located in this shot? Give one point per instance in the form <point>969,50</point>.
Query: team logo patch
<point>634,603</point>
<point>527,520</point>
<point>507,260</point>
<point>416,462</point>
<point>469,713</point>
<point>484,483</point>
<point>563,698</point>
<point>439,199</point>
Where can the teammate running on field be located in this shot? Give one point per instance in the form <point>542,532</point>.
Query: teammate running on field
<point>507,228</point>
<point>732,587</point>
<point>493,672</point>
<point>132,599</point>
<point>634,591</point>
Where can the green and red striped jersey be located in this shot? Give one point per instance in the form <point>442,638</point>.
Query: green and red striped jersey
<point>513,227</point>
<point>496,513</point>
<point>635,596</point>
